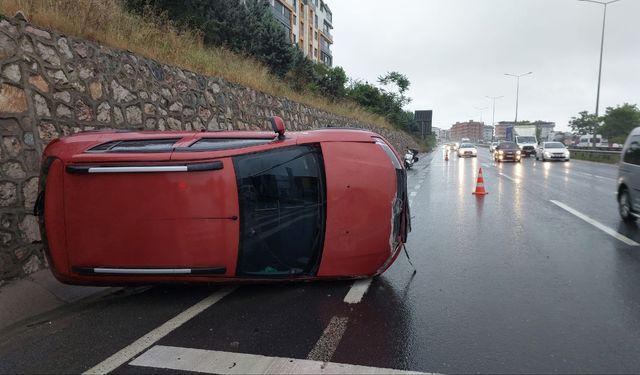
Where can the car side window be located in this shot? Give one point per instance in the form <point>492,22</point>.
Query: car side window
<point>632,154</point>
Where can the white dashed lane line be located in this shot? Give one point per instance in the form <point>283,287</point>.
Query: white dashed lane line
<point>146,341</point>
<point>596,176</point>
<point>509,178</point>
<point>328,343</point>
<point>357,291</point>
<point>417,187</point>
<point>597,224</point>
<point>413,194</point>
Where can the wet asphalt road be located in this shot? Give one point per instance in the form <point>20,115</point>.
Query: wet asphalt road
<point>507,283</point>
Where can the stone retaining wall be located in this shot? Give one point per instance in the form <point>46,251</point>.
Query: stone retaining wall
<point>53,85</point>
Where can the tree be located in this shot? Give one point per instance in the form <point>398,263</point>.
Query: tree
<point>330,82</point>
<point>584,123</point>
<point>301,77</point>
<point>270,43</point>
<point>245,27</point>
<point>619,121</point>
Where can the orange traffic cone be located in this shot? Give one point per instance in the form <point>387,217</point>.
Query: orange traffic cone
<point>480,185</point>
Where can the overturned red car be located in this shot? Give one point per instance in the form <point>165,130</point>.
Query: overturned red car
<point>146,207</point>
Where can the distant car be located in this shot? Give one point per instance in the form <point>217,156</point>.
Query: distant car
<point>147,207</point>
<point>507,151</point>
<point>467,150</point>
<point>628,193</point>
<point>492,146</point>
<point>453,146</point>
<point>552,151</point>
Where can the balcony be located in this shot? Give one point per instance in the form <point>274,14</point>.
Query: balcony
<point>283,19</point>
<point>325,46</point>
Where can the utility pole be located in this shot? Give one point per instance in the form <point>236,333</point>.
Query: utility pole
<point>493,119</point>
<point>604,20</point>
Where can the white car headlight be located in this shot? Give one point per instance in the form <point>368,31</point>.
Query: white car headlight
<point>547,154</point>
<point>518,152</point>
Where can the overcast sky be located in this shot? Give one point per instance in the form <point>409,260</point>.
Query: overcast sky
<point>455,52</point>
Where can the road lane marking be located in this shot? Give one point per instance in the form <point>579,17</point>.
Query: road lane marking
<point>219,362</point>
<point>596,176</point>
<point>597,224</point>
<point>328,343</point>
<point>485,165</point>
<point>141,344</point>
<point>417,187</point>
<point>357,291</point>
<point>509,178</point>
<point>413,194</point>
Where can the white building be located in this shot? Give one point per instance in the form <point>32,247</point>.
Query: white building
<point>309,24</point>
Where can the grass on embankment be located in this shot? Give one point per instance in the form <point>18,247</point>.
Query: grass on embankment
<point>107,22</point>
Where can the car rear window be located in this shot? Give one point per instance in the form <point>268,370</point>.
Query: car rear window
<point>508,146</point>
<point>136,146</point>
<point>553,145</point>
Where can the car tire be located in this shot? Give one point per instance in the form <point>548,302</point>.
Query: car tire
<point>537,157</point>
<point>543,159</point>
<point>624,207</point>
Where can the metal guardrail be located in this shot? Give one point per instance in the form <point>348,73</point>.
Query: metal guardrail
<point>602,156</point>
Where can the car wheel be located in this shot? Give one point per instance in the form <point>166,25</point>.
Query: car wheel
<point>537,157</point>
<point>624,207</point>
<point>543,159</point>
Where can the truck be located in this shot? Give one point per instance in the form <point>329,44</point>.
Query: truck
<point>525,138</point>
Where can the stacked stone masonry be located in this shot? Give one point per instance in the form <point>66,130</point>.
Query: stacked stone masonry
<point>53,85</point>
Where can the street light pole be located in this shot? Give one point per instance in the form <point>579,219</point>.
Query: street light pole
<point>493,119</point>
<point>517,90</point>
<point>604,20</point>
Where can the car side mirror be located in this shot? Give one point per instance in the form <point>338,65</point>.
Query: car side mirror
<point>277,123</point>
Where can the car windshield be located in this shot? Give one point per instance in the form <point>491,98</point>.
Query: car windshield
<point>524,139</point>
<point>553,145</point>
<point>467,145</point>
<point>508,146</point>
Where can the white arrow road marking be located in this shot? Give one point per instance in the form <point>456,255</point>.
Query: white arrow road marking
<point>218,362</point>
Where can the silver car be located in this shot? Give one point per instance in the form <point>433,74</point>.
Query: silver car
<point>629,178</point>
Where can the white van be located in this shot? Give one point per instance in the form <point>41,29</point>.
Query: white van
<point>587,141</point>
<point>629,178</point>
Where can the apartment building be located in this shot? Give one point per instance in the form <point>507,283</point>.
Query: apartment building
<point>472,130</point>
<point>309,24</point>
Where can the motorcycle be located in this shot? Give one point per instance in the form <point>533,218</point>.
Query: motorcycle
<point>410,158</point>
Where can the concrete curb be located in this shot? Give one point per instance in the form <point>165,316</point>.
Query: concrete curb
<point>39,293</point>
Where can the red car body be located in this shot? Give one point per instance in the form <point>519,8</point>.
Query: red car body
<point>146,207</point>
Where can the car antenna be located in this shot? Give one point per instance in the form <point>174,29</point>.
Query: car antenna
<point>404,246</point>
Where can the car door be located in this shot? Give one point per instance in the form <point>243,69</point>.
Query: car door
<point>630,170</point>
<point>150,213</point>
